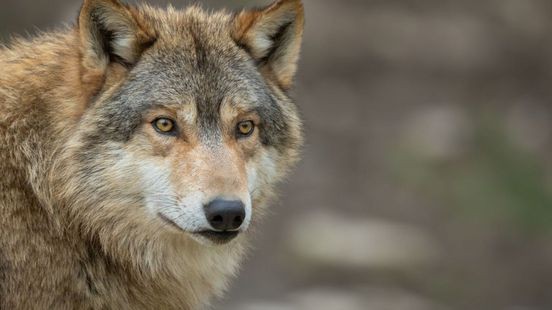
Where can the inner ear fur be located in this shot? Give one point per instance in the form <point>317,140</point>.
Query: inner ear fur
<point>273,37</point>
<point>111,32</point>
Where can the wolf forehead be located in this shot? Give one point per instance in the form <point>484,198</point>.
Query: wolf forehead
<point>193,60</point>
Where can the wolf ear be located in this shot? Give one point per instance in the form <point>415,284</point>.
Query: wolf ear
<point>110,32</point>
<point>273,37</point>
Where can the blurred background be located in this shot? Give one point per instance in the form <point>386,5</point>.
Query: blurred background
<point>426,181</point>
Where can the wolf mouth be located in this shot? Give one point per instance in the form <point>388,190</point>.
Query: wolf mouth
<point>169,221</point>
<point>218,237</point>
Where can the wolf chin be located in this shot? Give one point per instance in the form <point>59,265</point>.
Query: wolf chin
<point>138,149</point>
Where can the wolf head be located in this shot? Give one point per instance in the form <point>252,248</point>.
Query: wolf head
<point>187,124</point>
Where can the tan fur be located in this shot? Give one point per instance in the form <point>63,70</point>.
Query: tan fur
<point>62,247</point>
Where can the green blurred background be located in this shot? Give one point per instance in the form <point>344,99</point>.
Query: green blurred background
<point>426,181</point>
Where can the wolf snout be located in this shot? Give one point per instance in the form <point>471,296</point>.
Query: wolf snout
<point>225,215</point>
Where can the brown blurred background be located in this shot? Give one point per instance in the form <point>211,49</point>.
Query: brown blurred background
<point>426,181</point>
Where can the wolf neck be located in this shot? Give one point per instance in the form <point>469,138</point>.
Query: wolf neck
<point>183,282</point>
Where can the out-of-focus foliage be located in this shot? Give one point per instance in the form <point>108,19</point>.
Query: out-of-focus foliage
<point>494,182</point>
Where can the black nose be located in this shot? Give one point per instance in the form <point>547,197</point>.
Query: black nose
<point>224,215</point>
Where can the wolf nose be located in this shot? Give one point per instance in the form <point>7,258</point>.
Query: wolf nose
<point>225,215</point>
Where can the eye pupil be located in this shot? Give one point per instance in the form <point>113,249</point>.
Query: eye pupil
<point>164,125</point>
<point>246,128</point>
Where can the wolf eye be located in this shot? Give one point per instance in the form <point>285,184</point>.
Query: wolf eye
<point>245,129</point>
<point>164,125</point>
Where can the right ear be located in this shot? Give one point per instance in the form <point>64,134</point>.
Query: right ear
<point>273,37</point>
<point>111,32</point>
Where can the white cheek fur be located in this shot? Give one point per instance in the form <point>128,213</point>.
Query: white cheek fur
<point>251,178</point>
<point>259,174</point>
<point>191,216</point>
<point>157,189</point>
<point>160,197</point>
<point>248,212</point>
<point>188,213</point>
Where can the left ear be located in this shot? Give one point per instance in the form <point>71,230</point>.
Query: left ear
<point>273,37</point>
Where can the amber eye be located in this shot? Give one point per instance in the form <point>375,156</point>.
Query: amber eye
<point>246,128</point>
<point>164,125</point>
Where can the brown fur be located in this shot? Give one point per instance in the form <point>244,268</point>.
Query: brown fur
<point>73,235</point>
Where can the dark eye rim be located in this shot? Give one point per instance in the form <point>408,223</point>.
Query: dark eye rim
<point>242,135</point>
<point>173,132</point>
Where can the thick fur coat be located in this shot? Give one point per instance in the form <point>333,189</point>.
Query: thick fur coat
<point>115,134</point>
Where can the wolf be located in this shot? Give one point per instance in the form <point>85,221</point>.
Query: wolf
<point>138,148</point>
